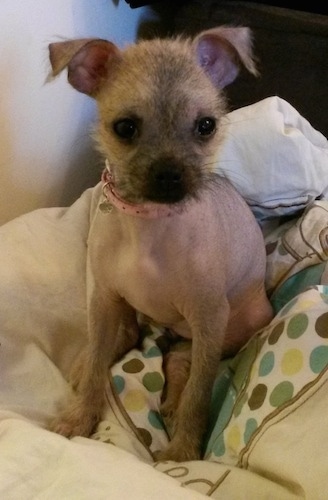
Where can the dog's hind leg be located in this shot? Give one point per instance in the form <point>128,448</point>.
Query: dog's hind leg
<point>105,345</point>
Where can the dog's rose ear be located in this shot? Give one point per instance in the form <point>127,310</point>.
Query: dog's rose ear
<point>88,62</point>
<point>220,52</point>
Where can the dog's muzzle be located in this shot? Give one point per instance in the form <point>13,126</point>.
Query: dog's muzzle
<point>166,182</point>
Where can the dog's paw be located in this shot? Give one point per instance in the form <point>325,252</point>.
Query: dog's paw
<point>63,427</point>
<point>69,427</point>
<point>76,420</point>
<point>178,451</point>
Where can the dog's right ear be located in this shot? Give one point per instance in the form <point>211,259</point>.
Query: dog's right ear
<point>88,61</point>
<point>221,51</point>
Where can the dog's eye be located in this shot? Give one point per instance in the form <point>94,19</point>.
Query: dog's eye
<point>206,126</point>
<point>126,128</point>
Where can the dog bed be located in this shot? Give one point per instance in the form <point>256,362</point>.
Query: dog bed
<point>267,428</point>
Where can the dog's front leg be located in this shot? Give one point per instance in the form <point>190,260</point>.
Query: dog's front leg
<point>176,364</point>
<point>192,415</point>
<point>83,413</point>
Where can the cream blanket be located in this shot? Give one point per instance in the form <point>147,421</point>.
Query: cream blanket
<point>265,440</point>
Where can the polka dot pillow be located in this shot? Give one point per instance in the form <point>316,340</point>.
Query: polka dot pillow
<point>132,420</point>
<point>267,377</point>
<point>278,366</point>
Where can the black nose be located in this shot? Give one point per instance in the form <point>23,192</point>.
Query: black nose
<point>168,178</point>
<point>166,182</point>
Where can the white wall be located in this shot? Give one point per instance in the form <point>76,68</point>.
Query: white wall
<point>46,156</point>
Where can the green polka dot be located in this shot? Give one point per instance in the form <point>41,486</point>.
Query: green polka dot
<point>119,383</point>
<point>257,397</point>
<point>153,381</point>
<point>297,325</point>
<point>321,325</point>
<point>270,247</point>
<point>250,428</point>
<point>276,333</point>
<point>153,352</point>
<point>133,366</point>
<point>145,436</point>
<point>219,446</point>
<point>266,364</point>
<point>155,419</point>
<point>319,358</point>
<point>281,393</point>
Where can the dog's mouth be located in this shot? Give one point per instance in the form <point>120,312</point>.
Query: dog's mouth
<point>157,206</point>
<point>165,183</point>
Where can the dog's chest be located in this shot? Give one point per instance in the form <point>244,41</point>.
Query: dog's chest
<point>151,267</point>
<point>149,283</point>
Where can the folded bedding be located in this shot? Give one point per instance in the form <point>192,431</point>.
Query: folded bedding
<point>266,436</point>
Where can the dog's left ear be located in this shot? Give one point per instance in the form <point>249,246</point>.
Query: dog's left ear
<point>221,51</point>
<point>89,62</point>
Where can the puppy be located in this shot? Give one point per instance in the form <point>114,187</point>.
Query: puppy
<point>171,239</point>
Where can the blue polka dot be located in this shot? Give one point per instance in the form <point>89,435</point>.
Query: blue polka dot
<point>155,419</point>
<point>250,428</point>
<point>219,447</point>
<point>266,364</point>
<point>319,358</point>
<point>153,352</point>
<point>119,383</point>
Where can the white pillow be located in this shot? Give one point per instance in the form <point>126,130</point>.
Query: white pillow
<point>274,157</point>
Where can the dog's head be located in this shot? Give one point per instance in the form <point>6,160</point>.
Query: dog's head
<point>160,104</point>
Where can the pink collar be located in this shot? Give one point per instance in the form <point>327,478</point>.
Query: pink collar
<point>149,210</point>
